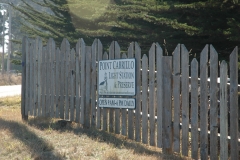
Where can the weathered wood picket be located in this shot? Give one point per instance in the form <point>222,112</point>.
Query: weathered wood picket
<point>173,112</point>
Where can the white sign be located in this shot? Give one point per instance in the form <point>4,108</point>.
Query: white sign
<point>128,103</point>
<point>117,77</point>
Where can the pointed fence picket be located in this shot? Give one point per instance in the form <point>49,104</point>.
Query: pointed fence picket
<point>213,103</point>
<point>94,84</point>
<point>130,112</point>
<point>117,111</point>
<point>160,92</point>
<point>204,103</point>
<point>99,57</point>
<point>194,109</point>
<point>105,110</point>
<point>176,100</point>
<point>62,83</point>
<point>152,95</point>
<point>185,99</point>
<point>138,93</point>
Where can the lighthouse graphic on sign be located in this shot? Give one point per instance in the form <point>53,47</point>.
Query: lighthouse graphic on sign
<point>103,85</point>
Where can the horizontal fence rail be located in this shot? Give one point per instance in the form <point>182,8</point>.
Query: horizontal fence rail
<point>186,107</point>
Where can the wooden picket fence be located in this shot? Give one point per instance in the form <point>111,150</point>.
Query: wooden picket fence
<point>194,116</point>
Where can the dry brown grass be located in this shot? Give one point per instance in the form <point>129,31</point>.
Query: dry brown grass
<point>10,79</point>
<point>45,138</point>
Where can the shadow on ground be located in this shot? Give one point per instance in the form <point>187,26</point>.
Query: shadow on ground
<point>98,135</point>
<point>39,148</point>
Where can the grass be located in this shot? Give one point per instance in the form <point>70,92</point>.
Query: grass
<point>10,79</point>
<point>45,138</point>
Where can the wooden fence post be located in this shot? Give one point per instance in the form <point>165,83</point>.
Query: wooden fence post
<point>111,110</point>
<point>31,84</point>
<point>124,112</point>
<point>35,83</point>
<point>83,81</point>
<point>78,82</point>
<point>223,112</point>
<point>213,103</point>
<point>39,84</point>
<point>159,95</point>
<point>66,76</point>
<point>138,93</point>
<point>185,99</point>
<point>117,110</point>
<point>204,103</point>
<point>44,73</point>
<point>234,104</point>
<point>99,55</point>
<point>167,107</point>
<point>73,83</point>
<point>23,90</point>
<point>176,99</point>
<point>130,111</point>
<point>94,84</point>
<point>144,99</point>
<point>88,86</point>
<point>57,83</point>
<point>52,70</point>
<point>152,93</point>
<point>62,79</point>
<point>105,110</point>
<point>194,109</point>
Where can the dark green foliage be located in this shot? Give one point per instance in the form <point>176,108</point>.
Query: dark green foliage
<point>191,22</point>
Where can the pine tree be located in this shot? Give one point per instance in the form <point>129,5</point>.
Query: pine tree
<point>191,22</point>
